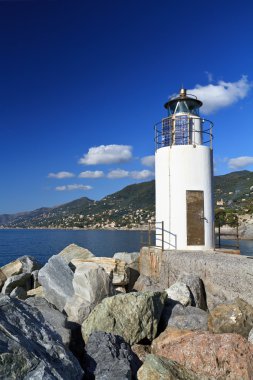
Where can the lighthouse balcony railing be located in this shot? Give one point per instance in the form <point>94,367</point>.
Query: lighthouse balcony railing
<point>183,130</point>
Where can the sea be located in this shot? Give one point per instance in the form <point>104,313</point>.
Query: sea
<point>42,244</point>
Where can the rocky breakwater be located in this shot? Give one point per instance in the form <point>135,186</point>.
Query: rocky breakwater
<point>87,317</point>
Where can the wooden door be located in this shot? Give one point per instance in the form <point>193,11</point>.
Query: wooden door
<point>195,217</point>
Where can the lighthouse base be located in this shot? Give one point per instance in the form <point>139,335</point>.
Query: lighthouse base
<point>184,198</point>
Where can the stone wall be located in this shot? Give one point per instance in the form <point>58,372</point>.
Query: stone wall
<point>225,276</point>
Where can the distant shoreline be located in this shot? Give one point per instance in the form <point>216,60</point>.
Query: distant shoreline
<point>144,228</point>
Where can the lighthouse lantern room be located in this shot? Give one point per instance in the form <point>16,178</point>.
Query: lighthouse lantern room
<point>184,175</point>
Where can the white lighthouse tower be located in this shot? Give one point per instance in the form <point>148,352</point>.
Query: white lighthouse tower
<point>184,174</point>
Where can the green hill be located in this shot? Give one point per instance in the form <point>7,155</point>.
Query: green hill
<point>131,207</point>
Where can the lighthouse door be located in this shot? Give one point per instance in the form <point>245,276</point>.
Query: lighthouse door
<point>195,217</point>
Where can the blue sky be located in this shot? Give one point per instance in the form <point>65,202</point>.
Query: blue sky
<point>83,82</point>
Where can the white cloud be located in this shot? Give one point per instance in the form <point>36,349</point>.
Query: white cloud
<point>143,174</point>
<point>91,174</point>
<point>73,187</point>
<point>240,162</point>
<point>221,95</point>
<point>61,175</point>
<point>148,160</point>
<point>135,174</point>
<point>107,154</point>
<point>209,76</point>
<point>118,173</point>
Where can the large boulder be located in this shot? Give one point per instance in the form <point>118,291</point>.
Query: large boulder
<point>56,278</point>
<point>235,317</point>
<point>156,367</point>
<point>29,264</point>
<point>146,284</point>
<point>54,317</point>
<point>30,349</point>
<point>113,267</point>
<point>132,261</point>
<point>197,290</point>
<point>109,357</point>
<point>179,292</point>
<point>24,264</point>
<point>134,316</point>
<point>217,356</point>
<point>2,279</point>
<point>91,285</point>
<point>22,280</point>
<point>73,251</point>
<point>181,317</point>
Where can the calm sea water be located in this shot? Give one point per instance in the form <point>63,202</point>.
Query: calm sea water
<point>42,244</point>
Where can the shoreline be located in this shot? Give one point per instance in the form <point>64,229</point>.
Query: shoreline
<point>144,229</point>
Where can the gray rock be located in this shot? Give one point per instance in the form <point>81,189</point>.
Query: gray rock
<point>184,318</point>
<point>110,357</point>
<point>29,264</point>
<point>157,367</point>
<point>179,292</point>
<point>30,349</point>
<point>56,278</point>
<point>235,317</point>
<point>197,290</point>
<point>91,285</point>
<point>132,261</point>
<point>35,279</point>
<point>53,316</point>
<point>19,292</point>
<point>250,337</point>
<point>73,251</point>
<point>19,280</point>
<point>145,284</point>
<point>134,316</point>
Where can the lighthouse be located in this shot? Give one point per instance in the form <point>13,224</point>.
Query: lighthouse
<point>184,176</point>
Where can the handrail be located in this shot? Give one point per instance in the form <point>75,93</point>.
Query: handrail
<point>183,130</point>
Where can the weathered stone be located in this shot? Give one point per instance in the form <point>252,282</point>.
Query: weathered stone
<point>179,292</point>
<point>11,269</point>
<point>236,317</point>
<point>19,280</point>
<point>38,292</point>
<point>35,279</point>
<point>181,317</point>
<point>250,337</point>
<point>91,285</point>
<point>2,279</point>
<point>132,261</point>
<point>225,276</point>
<point>113,267</point>
<point>53,316</point>
<point>158,368</point>
<point>109,357</point>
<point>29,264</point>
<point>134,316</point>
<point>56,278</point>
<point>197,290</point>
<point>141,350</point>
<point>30,349</point>
<point>145,284</point>
<point>218,356</point>
<point>19,292</point>
<point>73,251</point>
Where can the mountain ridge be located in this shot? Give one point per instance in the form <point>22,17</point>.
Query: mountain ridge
<point>132,206</point>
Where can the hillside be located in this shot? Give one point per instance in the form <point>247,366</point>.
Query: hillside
<point>129,207</point>
<point>132,206</point>
<point>234,191</point>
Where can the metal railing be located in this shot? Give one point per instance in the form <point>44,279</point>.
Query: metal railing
<point>183,130</point>
<point>158,229</point>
